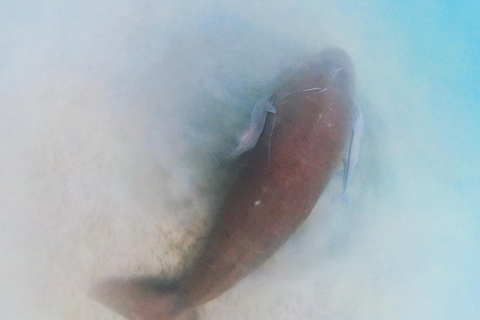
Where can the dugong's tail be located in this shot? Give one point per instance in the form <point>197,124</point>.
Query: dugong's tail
<point>142,299</point>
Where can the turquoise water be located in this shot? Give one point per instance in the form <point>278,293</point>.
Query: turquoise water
<point>113,115</point>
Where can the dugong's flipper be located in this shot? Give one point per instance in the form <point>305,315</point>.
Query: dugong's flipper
<point>248,138</point>
<point>350,161</point>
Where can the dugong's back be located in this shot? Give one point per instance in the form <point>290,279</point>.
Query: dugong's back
<point>297,153</point>
<point>284,175</point>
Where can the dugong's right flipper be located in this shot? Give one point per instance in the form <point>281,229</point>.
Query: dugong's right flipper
<point>248,138</point>
<point>350,161</point>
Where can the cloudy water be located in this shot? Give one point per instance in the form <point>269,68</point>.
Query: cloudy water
<point>115,117</point>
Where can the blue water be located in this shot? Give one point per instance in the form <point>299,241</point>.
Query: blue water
<point>113,115</point>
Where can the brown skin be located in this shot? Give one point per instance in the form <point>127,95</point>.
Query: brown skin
<point>285,174</point>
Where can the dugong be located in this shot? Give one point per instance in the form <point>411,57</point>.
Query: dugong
<point>302,133</point>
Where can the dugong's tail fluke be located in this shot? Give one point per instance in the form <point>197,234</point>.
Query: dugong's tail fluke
<point>142,299</point>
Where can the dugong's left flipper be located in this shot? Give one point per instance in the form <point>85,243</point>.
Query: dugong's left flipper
<point>248,138</point>
<point>352,156</point>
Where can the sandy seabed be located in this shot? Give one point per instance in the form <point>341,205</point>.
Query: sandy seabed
<point>115,118</point>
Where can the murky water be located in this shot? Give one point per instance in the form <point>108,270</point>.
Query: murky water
<point>115,117</point>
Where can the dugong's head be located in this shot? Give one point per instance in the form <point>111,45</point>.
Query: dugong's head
<point>337,66</point>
